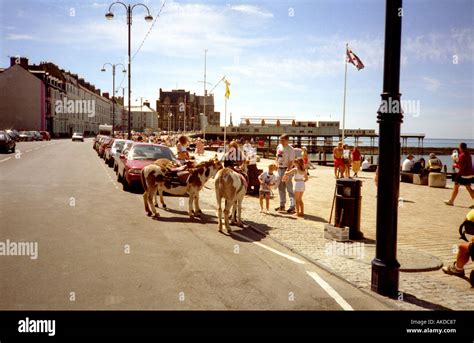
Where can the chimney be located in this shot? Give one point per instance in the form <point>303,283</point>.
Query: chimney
<point>105,95</point>
<point>23,61</point>
<point>146,103</point>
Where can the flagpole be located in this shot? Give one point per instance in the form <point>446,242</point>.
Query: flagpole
<point>344,103</point>
<point>225,123</point>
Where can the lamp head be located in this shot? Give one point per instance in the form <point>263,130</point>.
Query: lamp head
<point>109,15</point>
<point>148,18</point>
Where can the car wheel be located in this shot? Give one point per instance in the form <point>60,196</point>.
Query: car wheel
<point>119,177</point>
<point>126,185</point>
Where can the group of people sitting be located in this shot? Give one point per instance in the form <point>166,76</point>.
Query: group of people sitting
<point>420,166</point>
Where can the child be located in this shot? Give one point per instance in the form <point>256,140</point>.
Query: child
<point>267,181</point>
<point>301,176</point>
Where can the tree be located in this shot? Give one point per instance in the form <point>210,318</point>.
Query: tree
<point>263,122</point>
<point>293,123</point>
<point>247,121</point>
<point>278,123</point>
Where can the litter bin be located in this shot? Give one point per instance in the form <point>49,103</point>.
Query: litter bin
<point>348,206</point>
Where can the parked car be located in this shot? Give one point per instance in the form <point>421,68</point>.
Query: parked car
<point>37,136</point>
<point>46,135</point>
<point>124,150</point>
<point>78,136</point>
<point>7,144</point>
<point>107,148</point>
<point>103,145</point>
<point>138,157</point>
<point>26,136</point>
<point>115,149</point>
<point>14,134</point>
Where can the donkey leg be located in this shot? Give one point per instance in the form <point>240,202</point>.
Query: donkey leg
<point>190,205</point>
<point>239,213</point>
<point>227,208</point>
<point>151,193</point>
<point>161,198</point>
<point>145,201</point>
<point>197,211</point>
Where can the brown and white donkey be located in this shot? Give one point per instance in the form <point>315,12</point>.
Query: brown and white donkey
<point>155,178</point>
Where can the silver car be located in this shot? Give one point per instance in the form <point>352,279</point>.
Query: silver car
<point>118,147</point>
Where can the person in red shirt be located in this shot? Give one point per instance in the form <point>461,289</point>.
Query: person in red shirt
<point>465,175</point>
<point>355,160</point>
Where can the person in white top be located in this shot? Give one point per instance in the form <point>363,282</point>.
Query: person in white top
<point>284,160</point>
<point>268,180</point>
<point>407,165</point>
<point>365,165</point>
<point>301,176</point>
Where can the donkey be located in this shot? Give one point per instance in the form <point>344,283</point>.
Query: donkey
<point>232,186</point>
<point>154,179</point>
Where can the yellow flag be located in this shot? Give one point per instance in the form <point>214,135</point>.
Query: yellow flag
<point>227,90</point>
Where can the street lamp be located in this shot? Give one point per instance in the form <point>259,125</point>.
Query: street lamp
<point>113,89</point>
<point>109,15</point>
<point>385,267</point>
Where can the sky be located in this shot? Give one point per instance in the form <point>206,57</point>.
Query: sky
<point>283,58</point>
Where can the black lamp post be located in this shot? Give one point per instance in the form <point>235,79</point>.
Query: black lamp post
<point>109,15</point>
<point>113,89</point>
<point>385,267</point>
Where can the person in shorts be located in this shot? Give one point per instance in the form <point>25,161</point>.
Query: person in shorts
<point>465,252</point>
<point>465,175</point>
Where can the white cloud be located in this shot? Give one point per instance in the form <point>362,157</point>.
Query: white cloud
<point>252,10</point>
<point>441,47</point>
<point>15,36</point>
<point>431,84</point>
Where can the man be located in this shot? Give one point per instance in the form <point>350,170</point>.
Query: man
<point>465,251</point>
<point>408,164</point>
<point>465,175</point>
<point>338,153</point>
<point>285,155</point>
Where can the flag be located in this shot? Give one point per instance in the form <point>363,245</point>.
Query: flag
<point>227,90</point>
<point>352,58</point>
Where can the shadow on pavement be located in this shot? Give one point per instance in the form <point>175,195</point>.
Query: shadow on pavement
<point>411,299</point>
<point>314,218</point>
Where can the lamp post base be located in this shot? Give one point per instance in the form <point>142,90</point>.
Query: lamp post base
<point>385,278</point>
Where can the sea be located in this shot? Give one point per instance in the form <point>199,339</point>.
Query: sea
<point>427,143</point>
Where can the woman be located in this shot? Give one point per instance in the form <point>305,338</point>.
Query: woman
<point>182,148</point>
<point>347,160</point>
<point>304,156</point>
<point>356,161</point>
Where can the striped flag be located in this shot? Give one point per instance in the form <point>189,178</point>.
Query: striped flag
<point>352,58</point>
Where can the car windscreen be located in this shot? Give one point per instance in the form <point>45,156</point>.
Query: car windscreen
<point>150,152</point>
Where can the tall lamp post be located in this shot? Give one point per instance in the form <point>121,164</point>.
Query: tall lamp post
<point>109,15</point>
<point>113,89</point>
<point>385,267</point>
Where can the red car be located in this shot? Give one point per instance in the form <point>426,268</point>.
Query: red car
<point>46,136</point>
<point>140,155</point>
<point>106,142</point>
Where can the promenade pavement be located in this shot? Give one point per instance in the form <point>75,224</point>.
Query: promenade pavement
<point>427,237</point>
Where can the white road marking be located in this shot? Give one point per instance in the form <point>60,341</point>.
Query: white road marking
<point>37,148</point>
<point>214,211</point>
<point>5,159</point>
<point>291,258</point>
<point>29,150</point>
<point>331,291</point>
